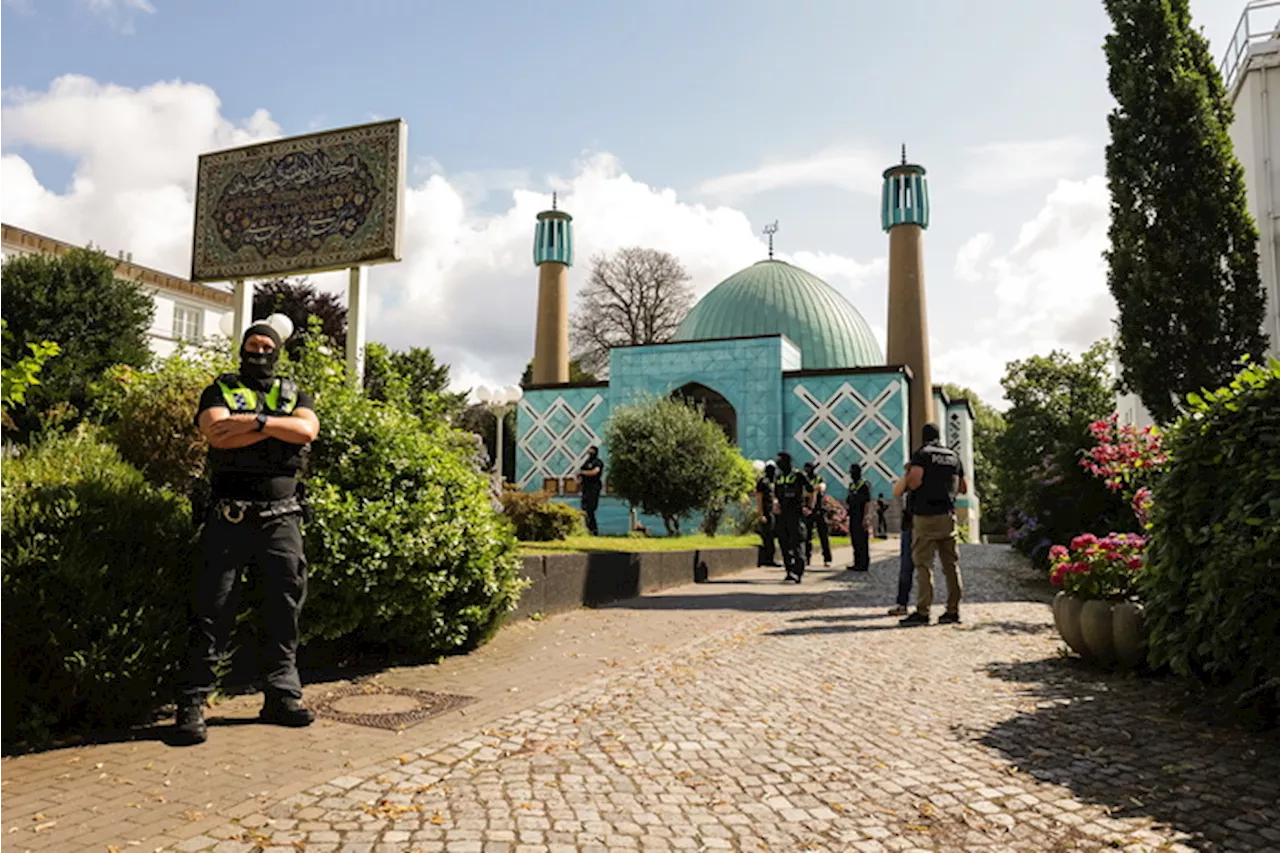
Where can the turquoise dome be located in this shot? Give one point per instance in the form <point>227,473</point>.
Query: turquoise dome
<point>775,298</point>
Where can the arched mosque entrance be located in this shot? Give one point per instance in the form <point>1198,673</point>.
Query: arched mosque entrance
<point>713,404</point>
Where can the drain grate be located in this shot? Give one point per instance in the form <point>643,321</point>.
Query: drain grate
<point>380,707</point>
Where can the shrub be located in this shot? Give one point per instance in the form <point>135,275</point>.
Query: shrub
<point>22,373</point>
<point>735,479</point>
<point>150,414</point>
<point>1212,585</point>
<point>95,593</point>
<point>666,459</point>
<point>405,547</point>
<point>1098,568</point>
<point>537,518</point>
<point>1059,500</point>
<point>75,299</point>
<point>837,516</point>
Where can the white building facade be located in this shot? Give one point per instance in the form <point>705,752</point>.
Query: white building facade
<point>184,311</point>
<point>1251,75</point>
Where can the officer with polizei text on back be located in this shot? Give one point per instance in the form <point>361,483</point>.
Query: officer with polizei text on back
<point>259,428</point>
<point>794,495</point>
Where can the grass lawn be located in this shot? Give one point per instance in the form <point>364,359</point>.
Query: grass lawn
<point>651,543</point>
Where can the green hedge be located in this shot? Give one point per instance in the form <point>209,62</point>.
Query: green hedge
<point>537,518</point>
<point>405,547</point>
<point>95,569</point>
<point>1213,581</point>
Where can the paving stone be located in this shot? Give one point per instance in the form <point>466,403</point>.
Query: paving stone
<point>807,721</point>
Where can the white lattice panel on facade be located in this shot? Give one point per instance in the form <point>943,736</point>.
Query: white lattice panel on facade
<point>871,455</point>
<point>561,456</point>
<point>955,433</point>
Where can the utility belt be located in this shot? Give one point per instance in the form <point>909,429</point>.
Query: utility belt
<point>235,511</point>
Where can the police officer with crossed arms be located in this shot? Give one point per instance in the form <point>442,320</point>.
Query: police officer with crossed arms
<point>259,428</point>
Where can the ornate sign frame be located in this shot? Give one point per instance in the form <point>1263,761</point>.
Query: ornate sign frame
<point>303,204</point>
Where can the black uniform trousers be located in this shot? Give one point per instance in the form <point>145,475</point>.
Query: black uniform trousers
<point>272,547</point>
<point>791,539</point>
<point>861,544</point>
<point>817,522</point>
<point>769,540</point>
<point>590,503</point>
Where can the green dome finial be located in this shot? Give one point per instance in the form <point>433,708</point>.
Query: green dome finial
<point>769,231</point>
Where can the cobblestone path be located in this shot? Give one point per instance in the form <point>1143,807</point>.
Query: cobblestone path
<point>818,726</point>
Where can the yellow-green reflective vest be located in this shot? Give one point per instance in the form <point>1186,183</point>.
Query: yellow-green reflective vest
<point>271,457</point>
<point>280,399</point>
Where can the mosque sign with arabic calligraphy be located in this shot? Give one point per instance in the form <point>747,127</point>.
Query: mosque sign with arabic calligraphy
<point>309,203</point>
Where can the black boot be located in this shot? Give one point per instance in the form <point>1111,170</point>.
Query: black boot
<point>189,728</point>
<point>286,711</point>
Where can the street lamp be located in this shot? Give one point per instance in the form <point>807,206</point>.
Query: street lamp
<point>499,401</point>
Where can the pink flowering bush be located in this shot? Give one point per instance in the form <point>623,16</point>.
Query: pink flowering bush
<point>1125,457</point>
<point>1095,568</point>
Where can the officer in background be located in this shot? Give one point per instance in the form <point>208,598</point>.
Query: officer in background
<point>817,520</point>
<point>768,520</point>
<point>259,428</point>
<point>794,495</point>
<point>906,568</point>
<point>589,479</point>
<point>859,519</point>
<point>934,478</point>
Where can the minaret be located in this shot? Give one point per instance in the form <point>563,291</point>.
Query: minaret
<point>553,255</point>
<point>904,213</point>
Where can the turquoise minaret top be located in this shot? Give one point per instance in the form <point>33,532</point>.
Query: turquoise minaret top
<point>905,197</point>
<point>553,238</point>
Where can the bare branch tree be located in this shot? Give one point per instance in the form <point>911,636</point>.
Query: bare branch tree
<point>634,296</point>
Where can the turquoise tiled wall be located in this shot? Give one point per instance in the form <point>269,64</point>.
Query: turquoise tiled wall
<point>747,373</point>
<point>842,419</point>
<point>554,428</point>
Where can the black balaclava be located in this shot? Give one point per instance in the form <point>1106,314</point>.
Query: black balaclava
<point>259,368</point>
<point>809,469</point>
<point>855,472</point>
<point>593,453</point>
<point>930,433</point>
<point>784,462</point>
<point>770,471</point>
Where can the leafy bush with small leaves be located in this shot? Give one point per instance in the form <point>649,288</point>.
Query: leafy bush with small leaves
<point>735,480</point>
<point>22,373</point>
<point>1212,584</point>
<point>150,414</point>
<point>537,518</point>
<point>97,319</point>
<point>96,564</point>
<point>667,459</point>
<point>837,516</point>
<point>405,547</point>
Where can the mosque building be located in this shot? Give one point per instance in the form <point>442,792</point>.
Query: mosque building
<point>775,355</point>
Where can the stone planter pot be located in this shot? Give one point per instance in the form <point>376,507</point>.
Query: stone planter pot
<point>1109,633</point>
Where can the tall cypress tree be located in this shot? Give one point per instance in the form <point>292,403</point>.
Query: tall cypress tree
<point>1183,258</point>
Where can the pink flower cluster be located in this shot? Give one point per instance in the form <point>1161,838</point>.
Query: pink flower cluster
<point>1124,455</point>
<point>1097,568</point>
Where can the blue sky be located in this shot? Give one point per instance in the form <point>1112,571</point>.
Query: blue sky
<point>684,125</point>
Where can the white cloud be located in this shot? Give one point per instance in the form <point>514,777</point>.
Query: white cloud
<point>971,254</point>
<point>1049,290</point>
<point>466,287</point>
<point>841,168</point>
<point>120,13</point>
<point>1003,166</point>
